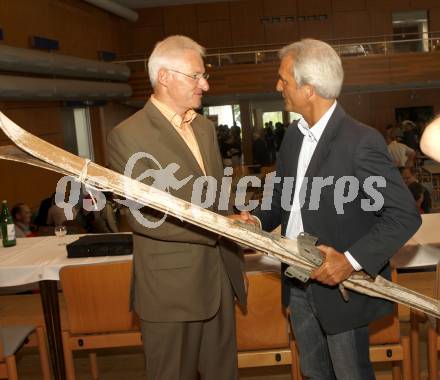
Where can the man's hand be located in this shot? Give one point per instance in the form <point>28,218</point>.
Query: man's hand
<point>245,217</point>
<point>335,268</point>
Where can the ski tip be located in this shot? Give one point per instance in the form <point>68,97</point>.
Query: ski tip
<point>12,130</point>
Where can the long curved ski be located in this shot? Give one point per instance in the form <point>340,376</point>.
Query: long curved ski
<point>37,152</point>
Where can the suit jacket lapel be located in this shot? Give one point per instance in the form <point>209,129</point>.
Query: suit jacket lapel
<point>292,164</point>
<point>324,145</point>
<point>201,137</point>
<point>170,139</point>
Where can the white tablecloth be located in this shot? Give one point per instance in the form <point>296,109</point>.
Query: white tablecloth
<point>41,258</point>
<point>423,249</point>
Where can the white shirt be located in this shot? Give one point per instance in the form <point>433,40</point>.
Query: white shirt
<point>310,141</point>
<point>399,152</point>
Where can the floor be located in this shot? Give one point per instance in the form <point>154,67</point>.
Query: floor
<point>128,364</point>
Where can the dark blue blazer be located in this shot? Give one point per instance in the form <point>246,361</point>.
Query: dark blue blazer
<point>347,148</point>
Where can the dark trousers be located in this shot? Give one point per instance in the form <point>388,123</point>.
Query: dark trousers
<point>342,356</point>
<point>182,350</point>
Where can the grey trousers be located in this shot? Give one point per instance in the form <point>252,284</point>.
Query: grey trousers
<point>186,350</point>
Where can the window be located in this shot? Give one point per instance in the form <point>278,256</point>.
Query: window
<point>410,31</point>
<point>83,133</point>
<point>225,115</point>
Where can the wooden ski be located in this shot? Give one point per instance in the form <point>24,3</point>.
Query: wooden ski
<point>37,152</point>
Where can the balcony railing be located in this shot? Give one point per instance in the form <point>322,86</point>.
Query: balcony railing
<point>348,47</point>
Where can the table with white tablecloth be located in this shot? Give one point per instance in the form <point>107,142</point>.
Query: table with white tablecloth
<point>40,259</point>
<point>423,249</point>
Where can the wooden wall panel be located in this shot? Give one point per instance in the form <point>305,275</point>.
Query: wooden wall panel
<point>24,183</point>
<point>150,16</point>
<point>212,11</point>
<point>215,34</point>
<point>424,4</point>
<point>352,5</point>
<point>281,32</point>
<point>381,23</point>
<point>434,19</point>
<point>144,39</point>
<point>279,8</point>
<point>246,26</point>
<point>181,19</point>
<point>358,105</point>
<point>319,29</point>
<point>414,67</point>
<point>314,7</point>
<point>358,22</point>
<point>388,5</point>
<point>19,19</point>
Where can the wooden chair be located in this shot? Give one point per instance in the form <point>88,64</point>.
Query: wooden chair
<point>434,337</point>
<point>12,338</point>
<point>97,305</point>
<point>388,345</point>
<point>263,337</point>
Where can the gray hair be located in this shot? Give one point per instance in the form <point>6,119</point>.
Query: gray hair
<point>168,54</point>
<point>317,64</point>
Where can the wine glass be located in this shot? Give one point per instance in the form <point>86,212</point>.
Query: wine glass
<point>60,231</point>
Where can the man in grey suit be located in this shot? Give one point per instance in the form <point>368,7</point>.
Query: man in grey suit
<point>346,192</point>
<point>185,278</point>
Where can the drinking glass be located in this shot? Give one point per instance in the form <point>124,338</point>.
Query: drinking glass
<point>61,231</point>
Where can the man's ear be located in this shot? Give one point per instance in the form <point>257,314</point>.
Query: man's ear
<point>309,91</point>
<point>162,77</point>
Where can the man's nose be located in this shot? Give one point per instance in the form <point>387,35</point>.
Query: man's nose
<point>204,85</point>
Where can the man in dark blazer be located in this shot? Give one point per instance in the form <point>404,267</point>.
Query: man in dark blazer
<point>185,278</point>
<point>346,192</point>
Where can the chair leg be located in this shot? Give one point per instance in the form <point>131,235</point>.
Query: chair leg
<point>295,361</point>
<point>396,371</point>
<point>406,362</point>
<point>94,366</point>
<point>432,353</point>
<point>44,358</point>
<point>68,357</point>
<point>415,346</point>
<point>11,368</point>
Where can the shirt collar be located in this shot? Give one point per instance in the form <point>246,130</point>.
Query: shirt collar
<point>173,117</point>
<point>314,133</point>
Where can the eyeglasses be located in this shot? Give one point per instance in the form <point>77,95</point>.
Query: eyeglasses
<point>197,76</point>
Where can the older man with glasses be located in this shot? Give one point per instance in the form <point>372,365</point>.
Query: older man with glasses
<point>185,279</point>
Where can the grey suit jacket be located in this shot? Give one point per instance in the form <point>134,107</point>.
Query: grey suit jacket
<point>177,266</point>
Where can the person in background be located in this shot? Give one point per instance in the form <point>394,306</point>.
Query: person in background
<point>430,142</point>
<point>409,177</point>
<point>22,215</point>
<point>410,134</point>
<point>45,205</point>
<point>401,154</point>
<point>260,154</point>
<point>417,191</point>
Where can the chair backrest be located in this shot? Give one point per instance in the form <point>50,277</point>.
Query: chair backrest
<point>387,329</point>
<point>265,325</point>
<point>97,297</point>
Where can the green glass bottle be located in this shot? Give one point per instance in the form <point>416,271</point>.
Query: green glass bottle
<point>7,226</point>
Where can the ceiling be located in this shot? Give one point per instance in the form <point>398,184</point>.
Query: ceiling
<point>160,3</point>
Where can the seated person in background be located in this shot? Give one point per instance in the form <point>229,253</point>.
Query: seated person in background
<point>430,142</point>
<point>21,214</point>
<point>105,220</point>
<point>401,154</point>
<point>417,192</point>
<point>41,219</point>
<point>56,215</point>
<point>408,175</point>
